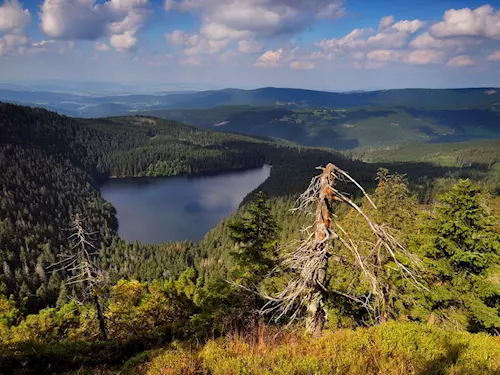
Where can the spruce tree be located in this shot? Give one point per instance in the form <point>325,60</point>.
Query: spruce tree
<point>462,252</point>
<point>255,238</point>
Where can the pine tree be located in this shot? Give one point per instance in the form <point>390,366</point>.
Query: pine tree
<point>255,238</point>
<point>462,253</point>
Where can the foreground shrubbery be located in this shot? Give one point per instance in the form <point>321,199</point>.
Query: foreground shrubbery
<point>393,348</point>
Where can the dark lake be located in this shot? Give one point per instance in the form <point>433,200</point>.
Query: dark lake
<point>155,210</point>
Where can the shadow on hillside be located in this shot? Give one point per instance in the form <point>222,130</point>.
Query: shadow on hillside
<point>30,358</point>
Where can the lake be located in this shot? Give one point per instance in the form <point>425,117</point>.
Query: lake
<point>155,210</point>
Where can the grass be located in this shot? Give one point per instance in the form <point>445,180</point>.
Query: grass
<point>391,349</point>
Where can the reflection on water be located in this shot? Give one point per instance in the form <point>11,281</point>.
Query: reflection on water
<point>155,210</point>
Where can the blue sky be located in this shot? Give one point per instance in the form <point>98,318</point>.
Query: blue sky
<point>319,44</point>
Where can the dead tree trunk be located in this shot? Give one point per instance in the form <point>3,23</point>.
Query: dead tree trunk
<point>80,263</point>
<point>308,262</point>
<point>100,317</point>
<point>316,313</point>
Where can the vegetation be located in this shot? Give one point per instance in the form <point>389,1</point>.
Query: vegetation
<point>209,296</point>
<point>346,128</point>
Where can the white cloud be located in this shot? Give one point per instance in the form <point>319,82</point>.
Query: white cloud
<point>386,22</point>
<point>13,18</point>
<point>463,32</point>
<point>249,46</point>
<point>195,44</point>
<point>270,59</point>
<point>495,56</point>
<point>425,56</point>
<point>462,60</point>
<point>168,5</point>
<point>480,22</point>
<point>177,37</point>
<point>391,35</point>
<point>51,46</point>
<point>303,65</point>
<point>13,22</point>
<point>90,20</point>
<point>101,47</point>
<point>234,21</point>
<point>408,27</point>
<point>123,42</point>
<point>384,55</point>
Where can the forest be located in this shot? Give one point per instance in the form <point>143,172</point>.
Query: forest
<point>424,300</point>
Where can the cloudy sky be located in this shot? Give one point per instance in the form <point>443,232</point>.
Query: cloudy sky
<point>321,44</point>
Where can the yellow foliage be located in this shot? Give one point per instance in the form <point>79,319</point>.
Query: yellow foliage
<point>390,349</point>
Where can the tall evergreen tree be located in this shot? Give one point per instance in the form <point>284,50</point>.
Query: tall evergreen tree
<point>462,253</point>
<point>255,238</point>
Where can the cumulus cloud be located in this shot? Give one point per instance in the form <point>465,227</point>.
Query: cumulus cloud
<point>51,46</point>
<point>391,35</point>
<point>303,65</point>
<point>384,55</point>
<point>101,47</point>
<point>386,22</point>
<point>13,18</point>
<point>13,22</point>
<point>408,27</point>
<point>480,22</point>
<point>194,43</point>
<point>495,56</point>
<point>462,60</point>
<point>89,20</point>
<point>425,56</point>
<point>462,33</point>
<point>249,46</point>
<point>270,59</point>
<point>234,21</point>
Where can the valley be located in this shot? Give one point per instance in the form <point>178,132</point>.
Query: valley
<point>54,167</point>
<point>374,119</point>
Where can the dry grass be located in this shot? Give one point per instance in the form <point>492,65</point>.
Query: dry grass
<point>391,349</point>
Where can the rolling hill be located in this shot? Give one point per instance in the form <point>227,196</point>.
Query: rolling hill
<point>313,118</point>
<point>369,127</point>
<point>269,96</point>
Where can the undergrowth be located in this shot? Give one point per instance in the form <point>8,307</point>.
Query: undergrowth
<point>390,349</point>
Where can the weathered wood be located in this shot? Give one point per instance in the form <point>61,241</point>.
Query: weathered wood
<point>316,313</point>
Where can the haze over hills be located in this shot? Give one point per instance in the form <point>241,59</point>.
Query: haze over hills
<point>315,118</point>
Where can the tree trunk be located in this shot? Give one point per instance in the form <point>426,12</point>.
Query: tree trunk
<point>316,313</point>
<point>100,317</point>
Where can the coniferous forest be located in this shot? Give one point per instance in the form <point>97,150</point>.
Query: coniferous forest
<point>407,281</point>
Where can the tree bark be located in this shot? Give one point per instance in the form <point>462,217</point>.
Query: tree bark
<point>100,317</point>
<point>316,313</point>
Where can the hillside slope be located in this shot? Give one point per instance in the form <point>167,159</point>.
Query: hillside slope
<point>92,106</point>
<point>346,128</point>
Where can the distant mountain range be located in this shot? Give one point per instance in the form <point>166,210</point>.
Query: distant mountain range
<point>317,118</point>
<point>81,105</point>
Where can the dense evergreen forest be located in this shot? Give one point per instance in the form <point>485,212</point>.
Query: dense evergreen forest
<point>443,207</point>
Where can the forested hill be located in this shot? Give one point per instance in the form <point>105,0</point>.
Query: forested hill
<point>93,106</point>
<point>50,169</point>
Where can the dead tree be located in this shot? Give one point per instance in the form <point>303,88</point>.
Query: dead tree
<point>309,259</point>
<point>80,264</point>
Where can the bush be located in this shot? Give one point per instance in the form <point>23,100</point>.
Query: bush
<point>393,348</point>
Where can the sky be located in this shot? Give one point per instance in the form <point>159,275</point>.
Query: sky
<point>334,45</point>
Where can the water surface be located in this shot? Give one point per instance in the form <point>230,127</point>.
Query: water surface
<point>155,210</point>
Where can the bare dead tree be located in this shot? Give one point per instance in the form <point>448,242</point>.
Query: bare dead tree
<point>308,261</point>
<point>80,263</point>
